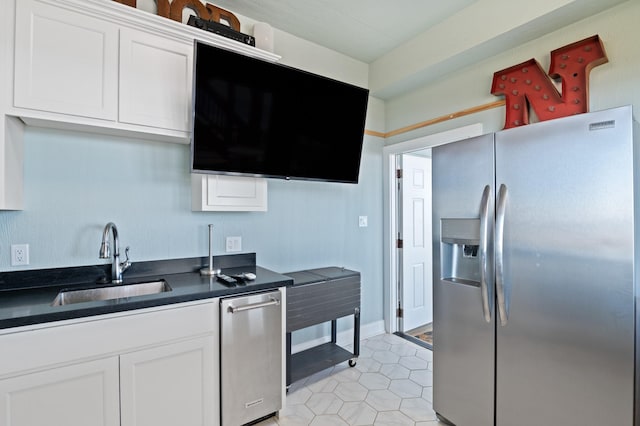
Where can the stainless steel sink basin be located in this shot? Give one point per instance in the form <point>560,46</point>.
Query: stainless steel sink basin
<point>67,297</point>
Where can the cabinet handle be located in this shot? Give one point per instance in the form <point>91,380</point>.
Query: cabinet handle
<point>272,302</point>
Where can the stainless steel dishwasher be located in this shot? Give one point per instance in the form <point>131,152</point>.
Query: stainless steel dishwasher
<point>251,341</point>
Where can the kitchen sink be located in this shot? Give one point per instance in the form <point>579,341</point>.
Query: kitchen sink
<point>67,297</point>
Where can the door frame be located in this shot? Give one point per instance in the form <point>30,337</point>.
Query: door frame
<point>389,153</point>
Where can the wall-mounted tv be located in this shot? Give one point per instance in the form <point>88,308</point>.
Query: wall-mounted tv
<point>258,118</point>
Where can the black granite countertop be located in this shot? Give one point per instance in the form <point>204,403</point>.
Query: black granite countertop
<point>26,296</point>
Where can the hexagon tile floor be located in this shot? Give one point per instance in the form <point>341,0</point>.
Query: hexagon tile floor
<point>391,384</point>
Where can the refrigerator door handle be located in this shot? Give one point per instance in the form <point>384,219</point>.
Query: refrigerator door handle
<point>499,249</point>
<point>484,258</point>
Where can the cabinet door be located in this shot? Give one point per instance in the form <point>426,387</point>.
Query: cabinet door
<point>65,62</point>
<point>155,80</point>
<point>228,193</point>
<point>77,395</point>
<point>171,385</point>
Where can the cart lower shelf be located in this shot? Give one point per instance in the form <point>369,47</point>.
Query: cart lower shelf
<point>318,358</point>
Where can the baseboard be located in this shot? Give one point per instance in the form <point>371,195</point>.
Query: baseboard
<point>344,338</point>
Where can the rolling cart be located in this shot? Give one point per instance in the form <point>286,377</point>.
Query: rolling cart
<point>318,296</point>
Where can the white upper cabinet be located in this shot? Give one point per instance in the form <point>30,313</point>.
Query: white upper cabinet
<point>228,193</point>
<point>65,62</point>
<point>97,65</point>
<point>155,81</point>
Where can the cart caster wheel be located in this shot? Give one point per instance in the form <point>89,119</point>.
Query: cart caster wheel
<point>352,363</point>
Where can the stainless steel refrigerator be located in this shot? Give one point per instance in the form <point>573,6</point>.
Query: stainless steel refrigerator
<point>535,242</point>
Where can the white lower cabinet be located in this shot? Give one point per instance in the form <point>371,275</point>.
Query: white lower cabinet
<point>170,385</point>
<point>76,395</point>
<point>153,367</point>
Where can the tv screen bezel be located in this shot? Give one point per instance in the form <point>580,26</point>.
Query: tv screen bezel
<point>267,175</point>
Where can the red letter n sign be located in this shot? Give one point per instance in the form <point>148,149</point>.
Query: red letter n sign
<point>526,84</point>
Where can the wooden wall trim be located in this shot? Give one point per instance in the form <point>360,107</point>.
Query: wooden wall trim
<point>451,116</point>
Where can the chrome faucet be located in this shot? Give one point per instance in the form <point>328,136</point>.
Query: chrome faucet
<point>117,268</point>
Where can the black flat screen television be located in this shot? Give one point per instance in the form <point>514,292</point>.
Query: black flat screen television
<point>264,119</point>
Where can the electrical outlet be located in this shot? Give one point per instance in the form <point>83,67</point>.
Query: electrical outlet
<point>234,244</point>
<point>19,254</point>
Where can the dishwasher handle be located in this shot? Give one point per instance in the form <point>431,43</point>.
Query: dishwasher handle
<point>271,302</point>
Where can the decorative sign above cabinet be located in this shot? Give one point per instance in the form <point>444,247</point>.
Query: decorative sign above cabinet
<point>207,11</point>
<point>527,84</point>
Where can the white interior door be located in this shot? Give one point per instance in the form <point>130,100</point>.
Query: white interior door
<point>417,298</point>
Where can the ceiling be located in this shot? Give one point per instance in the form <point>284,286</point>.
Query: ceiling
<point>412,43</point>
<point>361,29</point>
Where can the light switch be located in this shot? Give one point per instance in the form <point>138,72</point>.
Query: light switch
<point>362,221</point>
<point>234,244</point>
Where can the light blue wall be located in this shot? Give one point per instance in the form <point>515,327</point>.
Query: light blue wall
<point>75,183</point>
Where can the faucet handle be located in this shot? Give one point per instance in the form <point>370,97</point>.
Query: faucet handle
<point>125,265</point>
